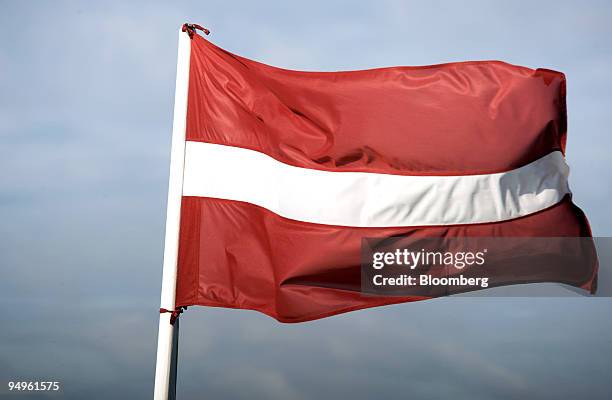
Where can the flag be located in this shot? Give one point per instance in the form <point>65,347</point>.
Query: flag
<point>286,172</point>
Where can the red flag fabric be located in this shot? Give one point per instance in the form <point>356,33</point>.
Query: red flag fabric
<point>287,171</point>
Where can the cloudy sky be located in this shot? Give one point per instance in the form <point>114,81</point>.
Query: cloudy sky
<point>85,119</point>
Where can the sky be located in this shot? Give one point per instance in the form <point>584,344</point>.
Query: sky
<point>86,101</point>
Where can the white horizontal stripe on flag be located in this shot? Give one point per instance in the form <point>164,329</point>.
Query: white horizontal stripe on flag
<point>363,199</point>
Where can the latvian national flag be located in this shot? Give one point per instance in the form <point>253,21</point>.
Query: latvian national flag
<point>286,171</point>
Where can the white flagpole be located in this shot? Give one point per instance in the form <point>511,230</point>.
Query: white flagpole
<point>167,340</point>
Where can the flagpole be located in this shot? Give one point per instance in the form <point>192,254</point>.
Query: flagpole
<point>167,340</point>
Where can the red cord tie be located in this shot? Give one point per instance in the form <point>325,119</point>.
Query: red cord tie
<point>173,314</point>
<point>191,29</point>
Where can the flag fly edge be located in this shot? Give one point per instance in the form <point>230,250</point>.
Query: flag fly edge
<point>175,187</point>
